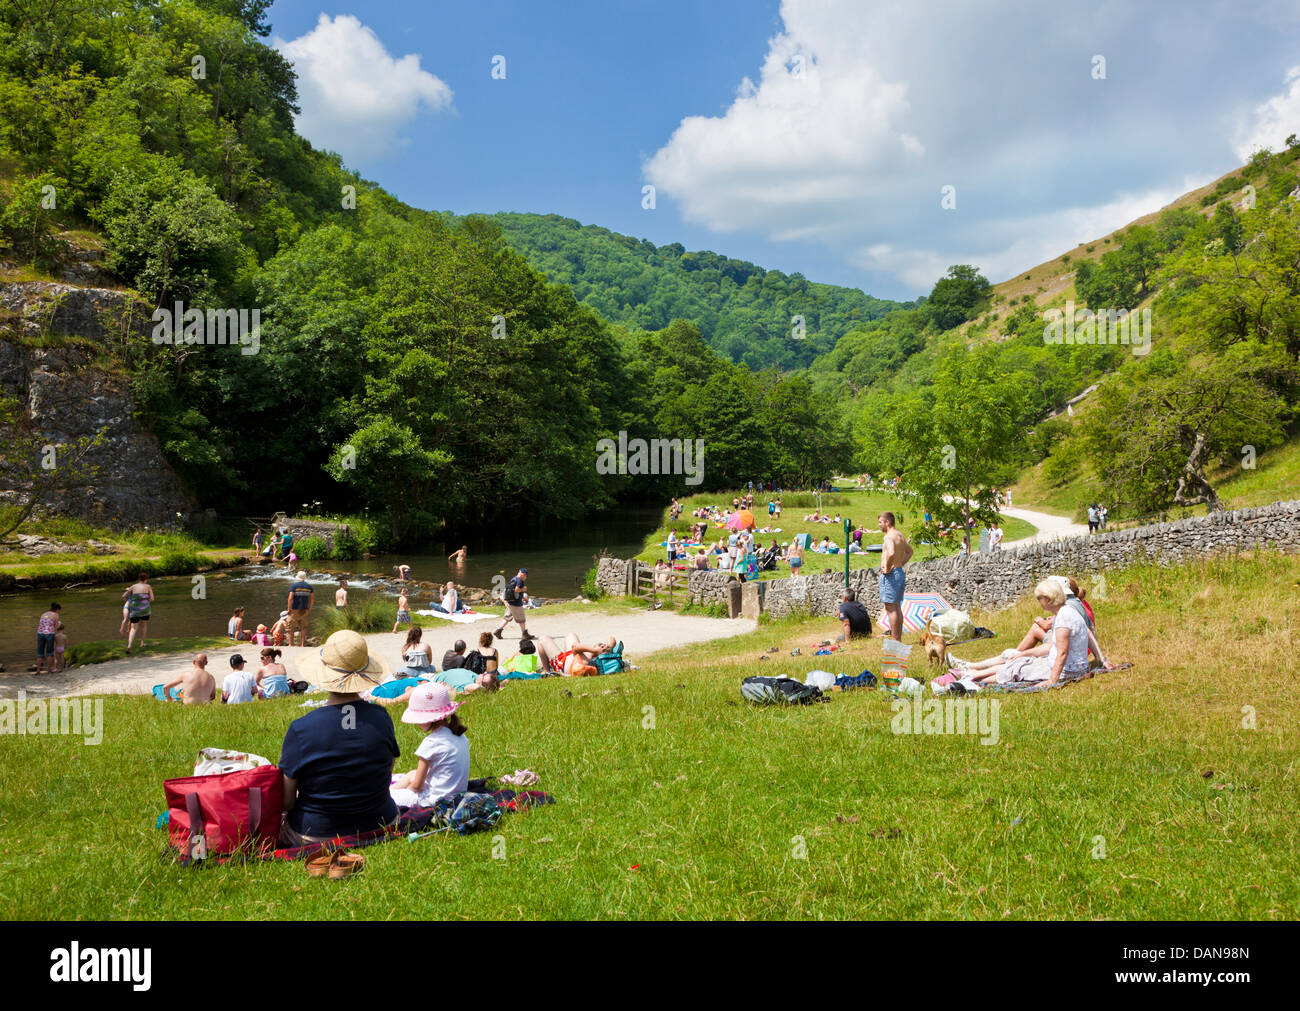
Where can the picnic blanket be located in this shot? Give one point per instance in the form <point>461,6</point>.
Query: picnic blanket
<point>413,819</point>
<point>465,617</point>
<point>1021,688</point>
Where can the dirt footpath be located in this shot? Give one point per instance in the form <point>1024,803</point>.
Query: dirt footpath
<point>642,633</point>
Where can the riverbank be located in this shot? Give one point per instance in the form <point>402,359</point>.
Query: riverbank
<point>643,632</point>
<point>98,570</point>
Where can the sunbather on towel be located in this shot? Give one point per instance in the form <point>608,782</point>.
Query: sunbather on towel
<point>572,659</point>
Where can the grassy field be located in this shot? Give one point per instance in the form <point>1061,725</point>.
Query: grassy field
<point>1170,790</point>
<point>115,649</point>
<point>860,506</point>
<point>1275,476</point>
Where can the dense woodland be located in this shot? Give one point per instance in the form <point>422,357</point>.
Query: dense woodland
<point>430,369</point>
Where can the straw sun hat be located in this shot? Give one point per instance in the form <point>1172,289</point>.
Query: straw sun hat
<point>343,664</point>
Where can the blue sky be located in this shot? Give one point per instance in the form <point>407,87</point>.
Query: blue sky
<point>805,135</point>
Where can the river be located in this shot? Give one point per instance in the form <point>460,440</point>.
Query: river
<point>557,557</point>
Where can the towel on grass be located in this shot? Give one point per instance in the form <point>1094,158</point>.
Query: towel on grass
<point>460,617</point>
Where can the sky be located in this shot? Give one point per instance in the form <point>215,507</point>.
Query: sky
<point>858,143</point>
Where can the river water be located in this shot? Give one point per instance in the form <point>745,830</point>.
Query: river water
<point>556,558</point>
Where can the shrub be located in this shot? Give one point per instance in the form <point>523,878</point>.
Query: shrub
<point>589,588</point>
<point>312,549</point>
<point>360,538</point>
<point>369,614</point>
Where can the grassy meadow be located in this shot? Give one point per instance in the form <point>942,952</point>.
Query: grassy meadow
<point>1167,791</point>
<point>860,505</point>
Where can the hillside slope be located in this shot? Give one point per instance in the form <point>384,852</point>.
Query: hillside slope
<point>743,311</point>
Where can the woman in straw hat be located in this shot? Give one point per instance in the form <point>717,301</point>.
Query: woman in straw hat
<point>338,759</point>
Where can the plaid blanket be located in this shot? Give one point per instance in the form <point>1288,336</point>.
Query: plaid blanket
<point>413,819</point>
<point>1018,688</point>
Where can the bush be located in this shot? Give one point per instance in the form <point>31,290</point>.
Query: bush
<point>360,538</point>
<point>312,549</point>
<point>589,588</point>
<point>371,614</point>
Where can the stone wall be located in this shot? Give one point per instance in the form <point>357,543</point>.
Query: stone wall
<point>612,575</point>
<point>994,579</point>
<point>302,529</point>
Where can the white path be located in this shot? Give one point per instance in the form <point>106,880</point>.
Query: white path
<point>1050,528</point>
<point>642,633</point>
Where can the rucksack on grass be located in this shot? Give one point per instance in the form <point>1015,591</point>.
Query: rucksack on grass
<point>767,691</point>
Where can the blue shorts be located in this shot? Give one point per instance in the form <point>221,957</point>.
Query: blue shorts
<point>44,644</point>
<point>892,587</point>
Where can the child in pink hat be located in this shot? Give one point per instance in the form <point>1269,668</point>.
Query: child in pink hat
<point>443,766</point>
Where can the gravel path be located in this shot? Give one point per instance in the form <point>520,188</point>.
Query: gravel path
<point>642,633</point>
<point>1050,528</point>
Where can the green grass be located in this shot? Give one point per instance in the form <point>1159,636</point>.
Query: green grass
<point>860,506</point>
<point>713,802</point>
<point>115,649</point>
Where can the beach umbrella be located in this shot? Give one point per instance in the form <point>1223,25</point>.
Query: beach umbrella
<point>747,519</point>
<point>917,609</point>
<point>733,521</point>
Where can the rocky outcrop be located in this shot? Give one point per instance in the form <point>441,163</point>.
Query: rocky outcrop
<point>69,393</point>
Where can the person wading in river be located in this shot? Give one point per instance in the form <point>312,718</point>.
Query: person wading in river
<point>139,605</point>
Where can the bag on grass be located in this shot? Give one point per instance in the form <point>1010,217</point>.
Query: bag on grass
<point>611,662</point>
<point>219,761</point>
<point>893,663</point>
<point>766,691</point>
<point>231,813</point>
<point>953,625</point>
<point>466,812</point>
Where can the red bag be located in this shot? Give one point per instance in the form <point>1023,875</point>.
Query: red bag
<point>231,813</point>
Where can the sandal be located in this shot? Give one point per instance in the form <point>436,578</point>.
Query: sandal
<point>345,864</point>
<point>318,864</point>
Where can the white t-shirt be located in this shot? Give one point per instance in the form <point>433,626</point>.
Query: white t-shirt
<point>448,758</point>
<point>230,626</point>
<point>1076,659</point>
<point>240,686</point>
<point>449,601</point>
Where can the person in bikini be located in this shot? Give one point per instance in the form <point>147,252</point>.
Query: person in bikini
<point>572,660</point>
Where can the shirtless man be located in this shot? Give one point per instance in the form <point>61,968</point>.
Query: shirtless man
<point>341,594</point>
<point>199,686</point>
<point>895,553</point>
<point>458,557</point>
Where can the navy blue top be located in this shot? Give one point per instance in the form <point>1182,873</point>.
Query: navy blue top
<point>514,589</point>
<point>302,592</point>
<point>342,757</point>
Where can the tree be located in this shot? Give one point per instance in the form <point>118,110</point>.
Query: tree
<point>958,296</point>
<point>961,438</point>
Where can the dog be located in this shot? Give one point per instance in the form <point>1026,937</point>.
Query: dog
<point>936,649</point>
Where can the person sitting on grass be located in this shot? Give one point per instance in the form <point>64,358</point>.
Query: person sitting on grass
<point>1065,656</point>
<point>198,687</point>
<point>702,559</point>
<point>854,618</point>
<point>272,677</point>
<point>450,601</point>
<point>524,665</point>
<point>240,685</point>
<point>442,768</point>
<point>571,661</point>
<point>417,654</point>
<point>454,657</point>
<point>338,759</point>
<point>235,626</point>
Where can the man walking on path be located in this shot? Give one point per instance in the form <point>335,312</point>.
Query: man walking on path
<point>995,537</point>
<point>301,597</point>
<point>895,553</point>
<point>516,596</point>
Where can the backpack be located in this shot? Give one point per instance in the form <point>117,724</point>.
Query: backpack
<point>466,812</point>
<point>611,662</point>
<point>476,662</point>
<point>765,691</point>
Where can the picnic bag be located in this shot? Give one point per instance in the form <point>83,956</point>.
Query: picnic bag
<point>953,625</point>
<point>766,691</point>
<point>893,663</point>
<point>611,662</point>
<point>224,814</point>
<point>466,812</point>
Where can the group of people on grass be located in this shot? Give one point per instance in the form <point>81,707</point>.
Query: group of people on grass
<point>199,687</point>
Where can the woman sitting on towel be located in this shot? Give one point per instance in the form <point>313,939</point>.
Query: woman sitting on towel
<point>1065,656</point>
<point>417,654</point>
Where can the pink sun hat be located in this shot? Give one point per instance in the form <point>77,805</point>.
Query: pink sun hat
<point>429,703</point>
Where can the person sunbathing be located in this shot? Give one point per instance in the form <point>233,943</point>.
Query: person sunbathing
<point>571,661</point>
<point>1065,653</point>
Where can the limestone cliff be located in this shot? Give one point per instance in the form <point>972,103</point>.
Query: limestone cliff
<point>71,389</point>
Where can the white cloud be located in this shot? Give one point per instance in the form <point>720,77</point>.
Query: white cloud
<point>355,96</point>
<point>997,99</point>
<point>1273,121</point>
